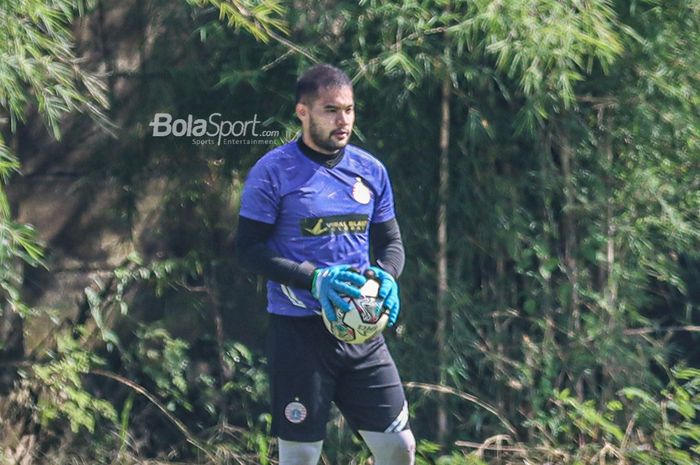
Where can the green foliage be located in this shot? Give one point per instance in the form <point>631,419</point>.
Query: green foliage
<point>124,418</point>
<point>547,46</point>
<point>38,69</point>
<point>460,459</point>
<point>62,394</point>
<point>261,18</point>
<point>573,219</point>
<point>638,426</point>
<point>247,384</point>
<point>18,243</point>
<point>39,66</point>
<point>164,360</point>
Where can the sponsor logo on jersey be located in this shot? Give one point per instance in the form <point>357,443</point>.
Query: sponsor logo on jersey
<point>337,224</point>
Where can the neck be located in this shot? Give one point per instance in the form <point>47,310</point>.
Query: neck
<point>329,160</point>
<point>309,143</point>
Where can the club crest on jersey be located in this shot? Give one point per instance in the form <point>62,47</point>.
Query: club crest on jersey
<point>295,412</point>
<point>361,193</point>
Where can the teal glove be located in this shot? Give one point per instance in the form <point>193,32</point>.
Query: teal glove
<point>330,282</point>
<point>389,291</point>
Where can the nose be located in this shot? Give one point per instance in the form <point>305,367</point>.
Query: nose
<point>342,118</point>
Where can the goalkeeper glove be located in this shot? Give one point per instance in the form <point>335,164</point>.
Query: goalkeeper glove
<point>389,291</point>
<point>328,283</point>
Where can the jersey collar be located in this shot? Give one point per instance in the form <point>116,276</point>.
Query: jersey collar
<point>329,161</point>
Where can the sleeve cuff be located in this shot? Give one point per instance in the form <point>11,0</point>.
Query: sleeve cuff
<point>307,269</point>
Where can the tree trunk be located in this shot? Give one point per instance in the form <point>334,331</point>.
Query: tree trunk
<point>442,283</point>
<point>611,285</point>
<point>570,231</point>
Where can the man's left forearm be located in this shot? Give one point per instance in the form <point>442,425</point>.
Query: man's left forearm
<point>387,246</point>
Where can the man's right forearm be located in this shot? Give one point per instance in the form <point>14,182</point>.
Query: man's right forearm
<point>260,260</point>
<point>256,257</point>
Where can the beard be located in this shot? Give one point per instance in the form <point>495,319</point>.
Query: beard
<point>323,141</point>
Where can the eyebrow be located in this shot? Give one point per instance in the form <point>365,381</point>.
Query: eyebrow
<point>331,105</point>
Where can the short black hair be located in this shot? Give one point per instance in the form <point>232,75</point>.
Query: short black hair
<point>320,76</point>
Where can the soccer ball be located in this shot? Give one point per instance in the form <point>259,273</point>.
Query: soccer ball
<point>366,319</point>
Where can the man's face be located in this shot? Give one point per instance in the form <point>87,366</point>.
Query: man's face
<point>327,119</point>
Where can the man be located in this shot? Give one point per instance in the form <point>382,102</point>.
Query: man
<point>310,210</point>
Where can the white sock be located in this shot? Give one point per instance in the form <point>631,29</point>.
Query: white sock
<point>391,448</point>
<point>299,453</point>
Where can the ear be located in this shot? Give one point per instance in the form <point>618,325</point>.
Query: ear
<point>301,111</point>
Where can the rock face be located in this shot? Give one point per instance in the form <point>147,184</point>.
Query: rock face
<point>163,209</point>
<point>96,198</point>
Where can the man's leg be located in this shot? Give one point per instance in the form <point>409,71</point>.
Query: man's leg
<point>391,448</point>
<point>370,396</point>
<point>299,453</point>
<point>301,386</point>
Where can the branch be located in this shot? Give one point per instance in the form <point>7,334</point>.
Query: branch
<point>493,444</point>
<point>293,46</point>
<point>277,60</point>
<point>668,329</point>
<point>490,447</point>
<point>602,101</point>
<point>264,28</point>
<point>465,396</point>
<point>395,47</point>
<point>141,390</point>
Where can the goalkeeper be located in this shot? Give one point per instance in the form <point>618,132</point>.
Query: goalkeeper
<point>310,210</point>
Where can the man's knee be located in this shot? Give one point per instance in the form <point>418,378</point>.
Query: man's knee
<point>391,448</point>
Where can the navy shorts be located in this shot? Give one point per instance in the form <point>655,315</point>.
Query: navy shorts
<point>309,369</point>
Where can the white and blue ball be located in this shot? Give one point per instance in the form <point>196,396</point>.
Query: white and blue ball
<point>366,319</point>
